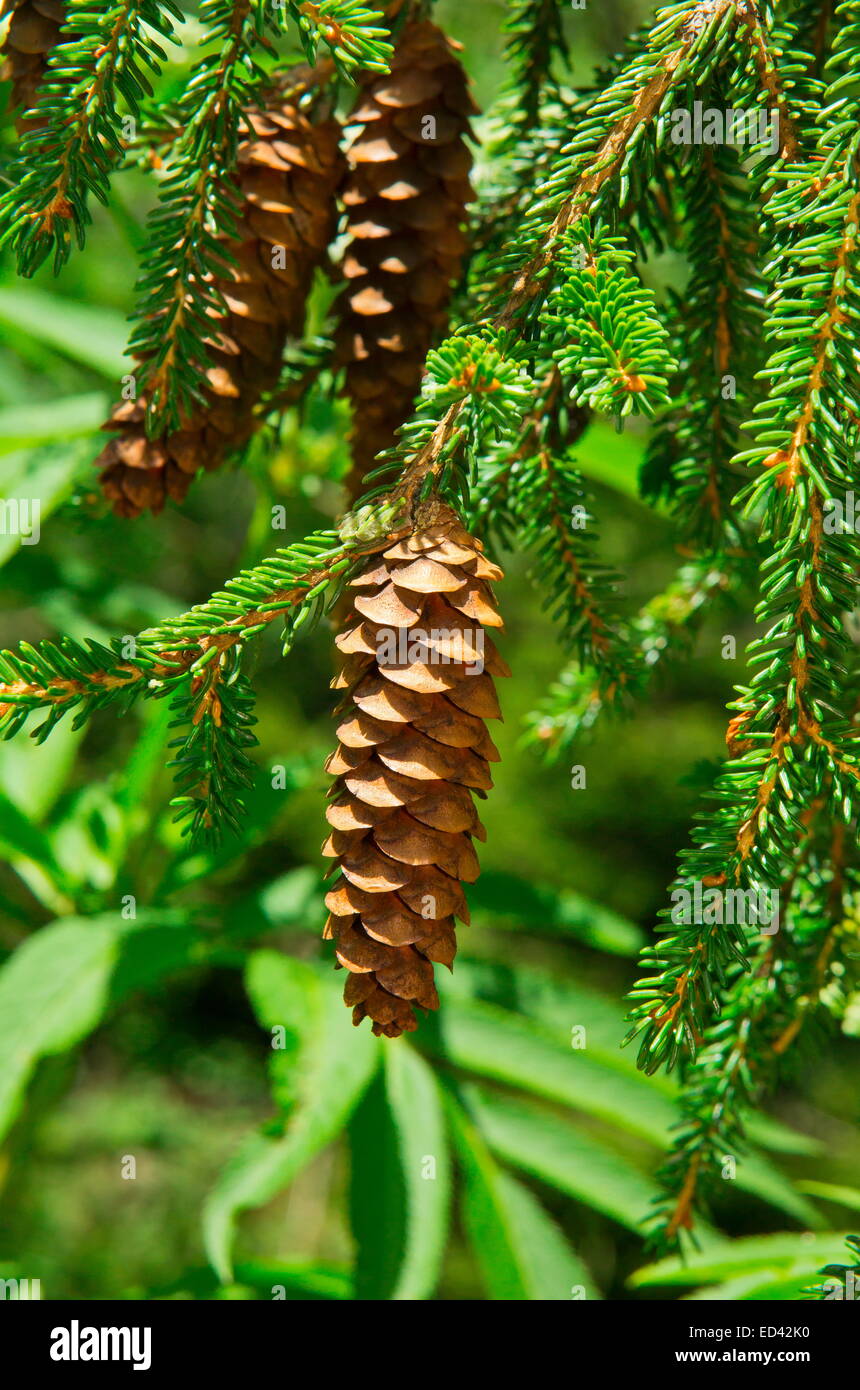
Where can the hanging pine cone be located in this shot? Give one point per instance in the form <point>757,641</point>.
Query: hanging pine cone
<point>34,30</point>
<point>288,170</point>
<point>413,747</point>
<point>405,196</point>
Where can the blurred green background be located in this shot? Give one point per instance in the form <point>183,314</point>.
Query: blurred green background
<point>169,1061</point>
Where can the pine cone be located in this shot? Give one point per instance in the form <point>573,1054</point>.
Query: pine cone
<point>405,197</point>
<point>34,30</point>
<point>413,745</point>
<point>288,170</point>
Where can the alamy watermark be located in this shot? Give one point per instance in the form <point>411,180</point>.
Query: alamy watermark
<point>21,517</point>
<point>744,907</point>
<point>734,126</point>
<point>438,646</point>
<point>24,1290</point>
<point>837,1289</point>
<point>841,515</point>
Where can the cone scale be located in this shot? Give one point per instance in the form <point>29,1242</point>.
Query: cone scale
<point>287,169</point>
<point>405,198</point>
<point>413,754</point>
<point>34,29</point>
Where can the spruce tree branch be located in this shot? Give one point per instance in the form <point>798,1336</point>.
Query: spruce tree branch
<point>789,461</point>
<point>740,1054</point>
<point>663,627</point>
<point>607,159</point>
<point>755,32</point>
<point>60,679</point>
<point>530,282</point>
<point>176,292</point>
<point>835,896</point>
<point>73,144</point>
<point>789,716</point>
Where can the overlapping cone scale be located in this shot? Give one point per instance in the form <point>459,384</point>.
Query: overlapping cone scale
<point>288,170</point>
<point>405,196</point>
<point>418,668</point>
<point>34,29</point>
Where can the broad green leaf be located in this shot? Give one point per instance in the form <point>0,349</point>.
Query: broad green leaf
<point>332,1064</point>
<point>413,1097</point>
<point>514,903</point>
<point>521,1253</point>
<point>498,1044</point>
<point>93,336</point>
<point>832,1192</point>
<point>34,773</point>
<point>377,1196</point>
<point>62,419</point>
<point>20,838</point>
<point>754,1287</point>
<point>270,1280</point>
<point>44,481</point>
<point>554,1151</point>
<point>400,1181</point>
<point>561,1005</point>
<point>786,1254</point>
<point>772,1134</point>
<point>88,837</point>
<point>146,759</point>
<point>287,1000</point>
<point>756,1175</point>
<point>59,984</point>
<point>299,1279</point>
<point>294,900</point>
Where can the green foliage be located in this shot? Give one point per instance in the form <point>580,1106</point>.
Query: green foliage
<point>212,762</point>
<point>836,1280</point>
<point>105,57</point>
<point>617,357</point>
<point>324,1071</point>
<point>354,34</point>
<point>198,206</point>
<point>712,290</point>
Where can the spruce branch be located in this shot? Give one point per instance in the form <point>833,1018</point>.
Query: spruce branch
<point>214,710</point>
<point>752,29</point>
<point>602,322</point>
<point>600,154</point>
<point>595,162</point>
<point>764,1010</point>
<point>83,677</point>
<point>663,630</point>
<point>533,490</point>
<point>198,209</point>
<point>354,34</point>
<point>535,42</point>
<point>716,328</point>
<point>103,60</point>
<point>788,728</point>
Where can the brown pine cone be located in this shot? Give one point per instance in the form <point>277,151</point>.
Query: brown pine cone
<point>34,30</point>
<point>288,171</point>
<point>405,197</point>
<point>413,746</point>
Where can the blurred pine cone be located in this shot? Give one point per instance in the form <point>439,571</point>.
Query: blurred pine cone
<point>405,196</point>
<point>288,170</point>
<point>413,746</point>
<point>34,30</point>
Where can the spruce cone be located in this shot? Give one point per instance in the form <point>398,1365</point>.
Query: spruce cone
<point>405,197</point>
<point>413,746</point>
<point>288,170</point>
<point>34,29</point>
